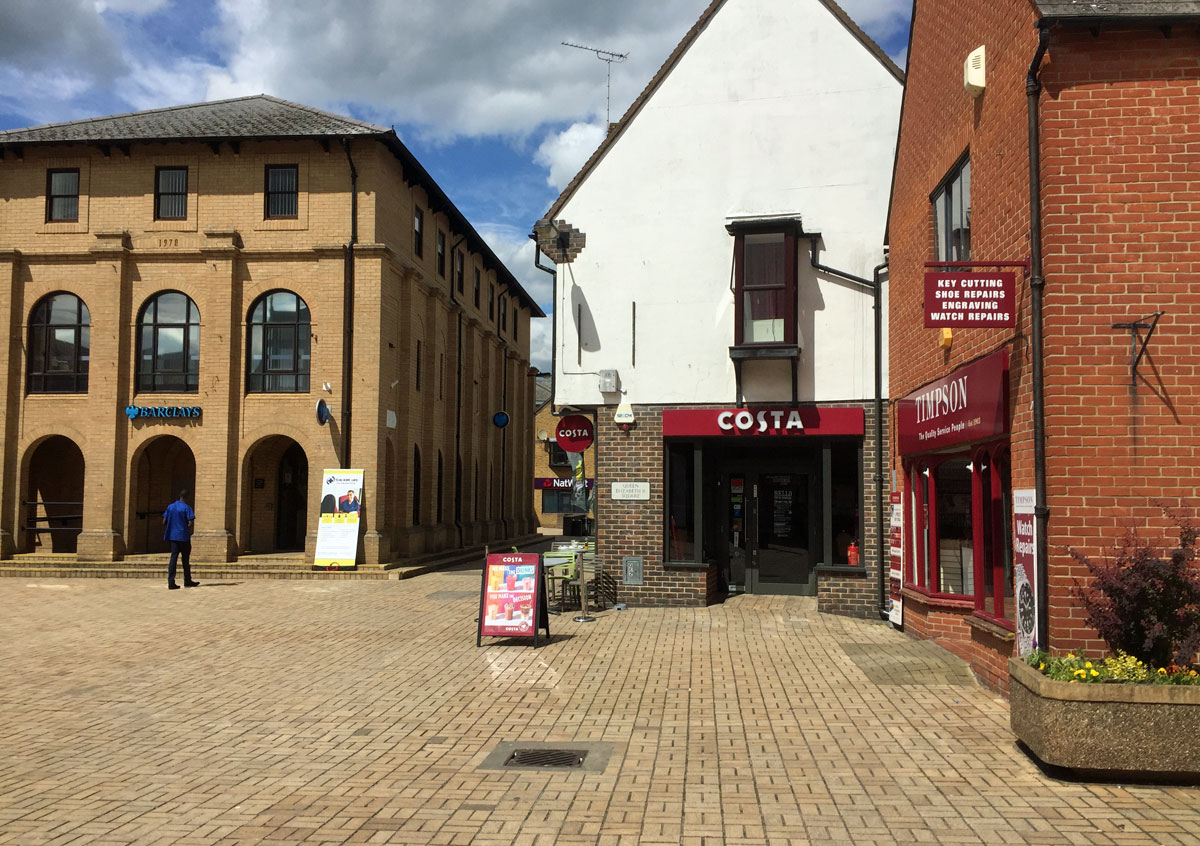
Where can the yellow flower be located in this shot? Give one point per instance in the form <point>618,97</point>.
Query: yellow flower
<point>1074,680</point>
<point>1042,665</point>
<point>1094,673</point>
<point>1192,673</point>
<point>1070,654</point>
<point>1162,671</point>
<point>1088,665</point>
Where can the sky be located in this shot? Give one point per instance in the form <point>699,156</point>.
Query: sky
<point>483,92</point>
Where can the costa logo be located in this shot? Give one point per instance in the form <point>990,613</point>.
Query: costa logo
<point>760,422</point>
<point>574,433</point>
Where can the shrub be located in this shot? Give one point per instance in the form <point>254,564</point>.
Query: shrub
<point>1144,605</point>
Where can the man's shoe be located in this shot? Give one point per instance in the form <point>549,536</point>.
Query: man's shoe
<point>172,586</point>
<point>191,584</point>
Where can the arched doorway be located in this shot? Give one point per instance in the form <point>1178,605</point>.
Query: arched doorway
<point>275,498</point>
<point>291,520</point>
<point>53,504</point>
<point>165,467</point>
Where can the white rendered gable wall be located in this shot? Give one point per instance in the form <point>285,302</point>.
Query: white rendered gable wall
<point>774,109</point>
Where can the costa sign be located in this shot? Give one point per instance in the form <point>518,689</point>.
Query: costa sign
<point>575,433</point>
<point>968,405</point>
<point>805,420</point>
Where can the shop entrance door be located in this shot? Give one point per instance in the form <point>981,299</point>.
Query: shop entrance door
<point>773,529</point>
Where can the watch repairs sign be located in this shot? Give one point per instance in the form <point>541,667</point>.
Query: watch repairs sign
<point>970,300</point>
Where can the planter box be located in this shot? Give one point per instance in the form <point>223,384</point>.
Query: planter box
<point>1145,731</point>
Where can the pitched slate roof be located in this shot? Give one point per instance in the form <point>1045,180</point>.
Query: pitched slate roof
<point>259,116</point>
<point>617,129</point>
<point>1092,9</point>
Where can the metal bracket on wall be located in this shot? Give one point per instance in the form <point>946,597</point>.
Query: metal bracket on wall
<point>1135,351</point>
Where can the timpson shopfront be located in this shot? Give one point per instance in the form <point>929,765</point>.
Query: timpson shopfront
<point>962,539</point>
<point>760,500</point>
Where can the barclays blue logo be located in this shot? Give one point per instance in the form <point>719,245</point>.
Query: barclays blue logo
<point>133,412</point>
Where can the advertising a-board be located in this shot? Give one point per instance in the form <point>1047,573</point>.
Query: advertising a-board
<point>340,519</point>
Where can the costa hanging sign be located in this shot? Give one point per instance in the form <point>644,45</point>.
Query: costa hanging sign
<point>807,420</point>
<point>970,300</point>
<point>574,433</point>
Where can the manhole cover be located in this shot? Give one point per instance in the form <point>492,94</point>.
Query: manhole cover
<point>546,758</point>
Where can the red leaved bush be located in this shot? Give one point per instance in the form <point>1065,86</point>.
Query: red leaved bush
<point>1146,605</point>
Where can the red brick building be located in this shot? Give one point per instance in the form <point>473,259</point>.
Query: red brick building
<point>1102,102</point>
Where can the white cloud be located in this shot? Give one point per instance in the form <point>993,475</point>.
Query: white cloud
<point>493,67</point>
<point>130,7</point>
<point>563,153</point>
<point>539,344</point>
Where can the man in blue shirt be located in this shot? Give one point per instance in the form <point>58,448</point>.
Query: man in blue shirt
<point>178,522</point>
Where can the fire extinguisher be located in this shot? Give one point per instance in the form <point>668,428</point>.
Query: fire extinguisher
<point>852,554</point>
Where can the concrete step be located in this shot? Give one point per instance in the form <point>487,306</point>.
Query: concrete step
<point>154,565</point>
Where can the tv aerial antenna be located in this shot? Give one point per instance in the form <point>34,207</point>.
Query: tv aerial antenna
<point>608,57</point>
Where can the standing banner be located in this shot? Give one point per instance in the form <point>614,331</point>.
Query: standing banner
<point>896,556</point>
<point>512,597</point>
<point>1024,569</point>
<point>341,511</point>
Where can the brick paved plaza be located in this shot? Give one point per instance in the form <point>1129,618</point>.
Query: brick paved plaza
<point>361,712</point>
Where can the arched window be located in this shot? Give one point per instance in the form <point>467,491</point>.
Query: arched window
<point>280,348</point>
<point>59,345</point>
<point>416,493</point>
<point>169,344</point>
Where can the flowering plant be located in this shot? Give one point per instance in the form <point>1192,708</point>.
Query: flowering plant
<point>1146,604</point>
<point>1122,669</point>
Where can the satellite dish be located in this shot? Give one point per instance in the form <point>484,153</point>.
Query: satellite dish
<point>324,415</point>
<point>500,419</point>
<point>543,435</point>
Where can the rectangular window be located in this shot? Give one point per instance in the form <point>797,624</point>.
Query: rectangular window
<point>492,303</point>
<point>503,314</point>
<point>681,502</point>
<point>952,214</point>
<point>477,286</point>
<point>557,502</point>
<point>282,191</point>
<point>62,195</point>
<point>441,253</point>
<point>170,193</point>
<point>765,287</point>
<point>458,271</point>
<point>959,521</point>
<point>418,232</point>
<point>558,456</point>
<point>516,325</point>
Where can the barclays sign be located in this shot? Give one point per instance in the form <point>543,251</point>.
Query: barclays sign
<point>135,412</point>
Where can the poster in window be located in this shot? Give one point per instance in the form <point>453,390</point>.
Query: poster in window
<point>896,563</point>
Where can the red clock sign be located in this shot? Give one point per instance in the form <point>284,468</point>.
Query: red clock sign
<point>575,433</point>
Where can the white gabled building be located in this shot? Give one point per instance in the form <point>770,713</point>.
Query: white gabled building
<point>684,251</point>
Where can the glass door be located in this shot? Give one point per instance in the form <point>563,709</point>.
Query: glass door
<point>771,525</point>
<point>782,555</point>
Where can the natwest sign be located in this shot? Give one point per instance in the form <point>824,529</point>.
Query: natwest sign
<point>806,420</point>
<point>552,483</point>
<point>970,404</point>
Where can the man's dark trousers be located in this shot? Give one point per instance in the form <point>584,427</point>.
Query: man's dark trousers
<point>179,548</point>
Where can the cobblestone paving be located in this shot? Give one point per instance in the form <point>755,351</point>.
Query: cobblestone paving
<point>360,712</point>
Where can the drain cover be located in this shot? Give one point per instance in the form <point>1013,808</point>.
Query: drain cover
<point>546,758</point>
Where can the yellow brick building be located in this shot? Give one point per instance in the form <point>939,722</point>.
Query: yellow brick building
<point>180,287</point>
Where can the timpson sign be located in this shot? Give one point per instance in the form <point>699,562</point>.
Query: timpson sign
<point>733,422</point>
<point>970,404</point>
<point>965,300</point>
